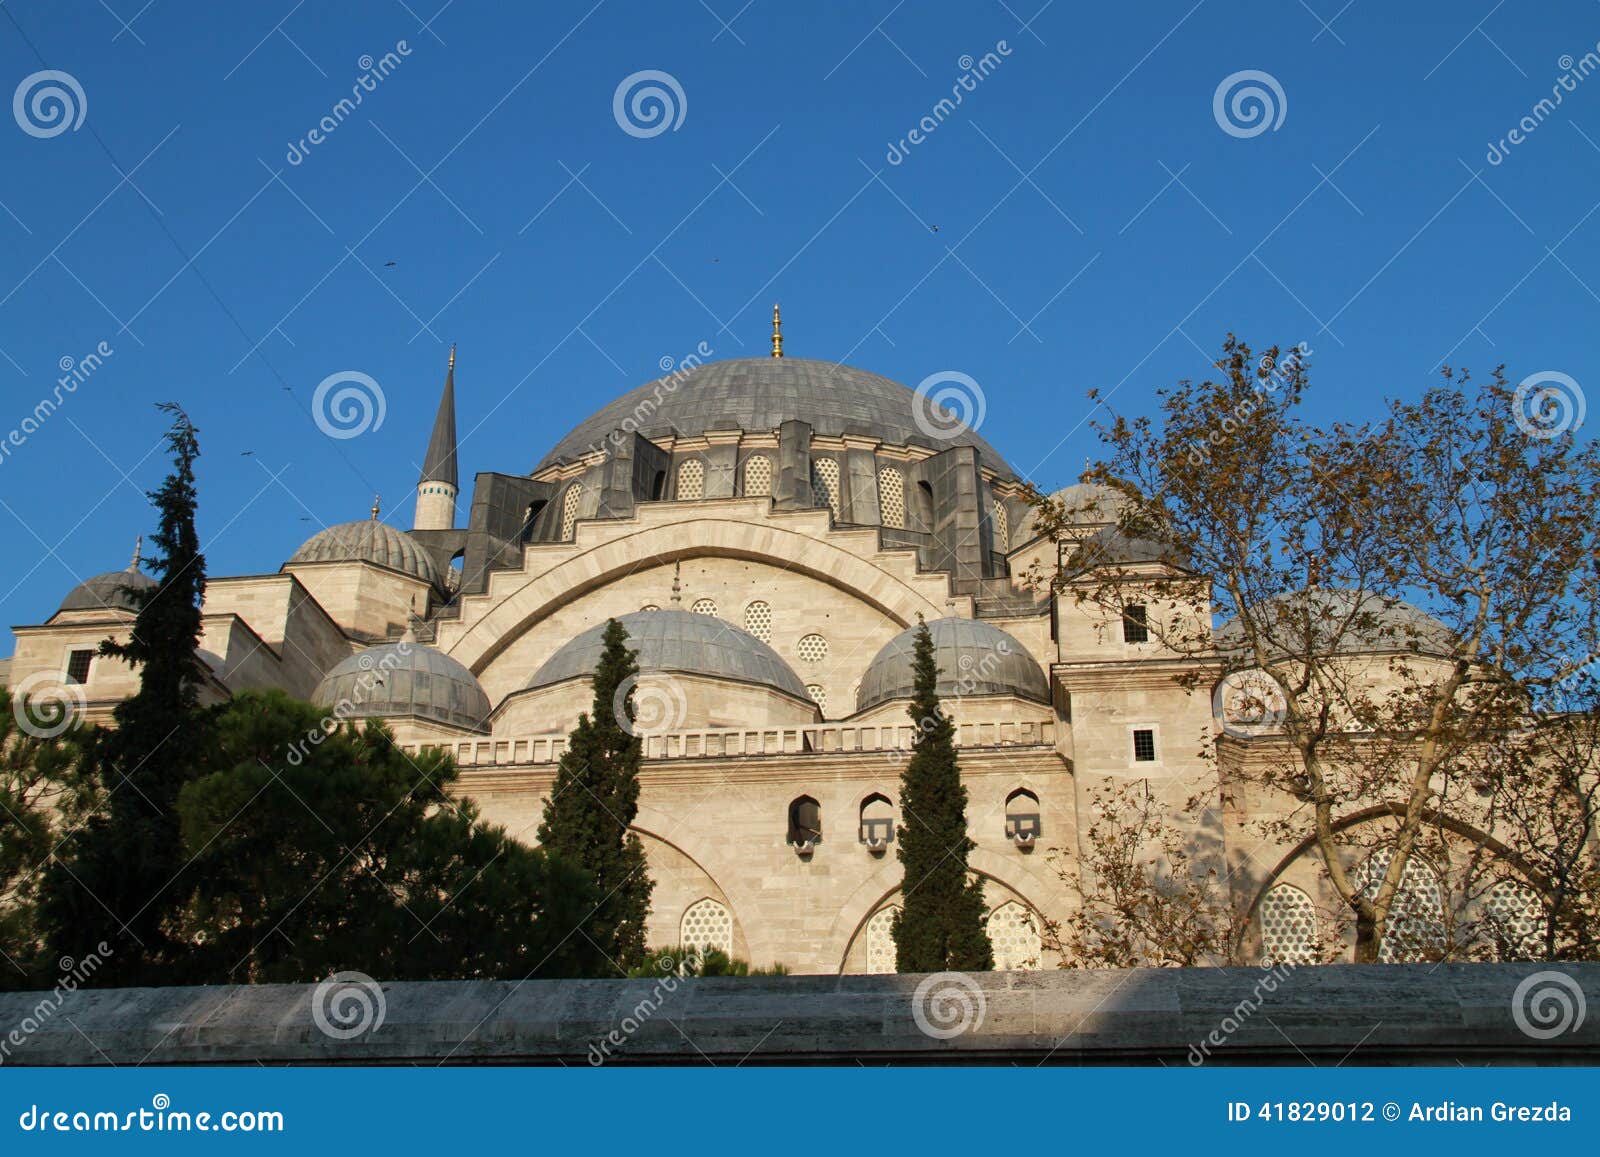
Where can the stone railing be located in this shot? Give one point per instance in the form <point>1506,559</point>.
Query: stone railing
<point>748,742</point>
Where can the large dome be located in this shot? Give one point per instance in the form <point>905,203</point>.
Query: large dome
<point>973,657</point>
<point>677,641</point>
<point>405,678</point>
<point>369,541</point>
<point>107,592</point>
<point>758,395</point>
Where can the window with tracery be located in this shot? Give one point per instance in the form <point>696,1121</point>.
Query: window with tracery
<point>1416,926</point>
<point>825,483</point>
<point>880,940</point>
<point>691,481</point>
<point>1014,936</point>
<point>758,620</point>
<point>758,476</point>
<point>892,497</point>
<point>569,509</point>
<point>706,925</point>
<point>704,607</point>
<point>1288,926</point>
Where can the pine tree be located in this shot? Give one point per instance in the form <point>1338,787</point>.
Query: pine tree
<point>120,877</point>
<point>594,802</point>
<point>940,925</point>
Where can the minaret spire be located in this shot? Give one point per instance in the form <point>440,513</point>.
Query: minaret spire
<point>777,332</point>
<point>437,486</point>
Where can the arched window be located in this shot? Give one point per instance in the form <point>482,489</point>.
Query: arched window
<point>1014,935</point>
<point>569,508</point>
<point>1022,816</point>
<point>692,481</point>
<point>924,508</point>
<point>1416,928</point>
<point>649,607</point>
<point>819,696</point>
<point>658,486</point>
<point>1514,920</point>
<point>825,483</point>
<point>812,648</point>
<point>758,620</point>
<point>880,940</point>
<point>531,516</point>
<point>1000,524</point>
<point>892,497</point>
<point>877,820</point>
<point>805,821</point>
<point>704,607</point>
<point>1288,926</point>
<point>706,926</point>
<point>758,476</point>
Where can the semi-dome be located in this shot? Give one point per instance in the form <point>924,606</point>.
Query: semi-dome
<point>369,541</point>
<point>108,592</point>
<point>677,641</point>
<point>758,395</point>
<point>974,658</point>
<point>1343,621</point>
<point>405,678</point>
<point>1088,504</point>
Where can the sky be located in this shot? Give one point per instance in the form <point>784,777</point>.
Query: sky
<point>1095,213</point>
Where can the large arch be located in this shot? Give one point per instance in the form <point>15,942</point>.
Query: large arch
<point>513,614</point>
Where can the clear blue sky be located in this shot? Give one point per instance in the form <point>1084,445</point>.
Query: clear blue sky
<point>568,257</point>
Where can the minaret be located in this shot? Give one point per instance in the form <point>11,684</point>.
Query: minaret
<point>436,488</point>
<point>777,332</point>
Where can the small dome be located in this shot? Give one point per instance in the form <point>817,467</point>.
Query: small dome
<point>676,640</point>
<point>1088,503</point>
<point>1377,624</point>
<point>974,658</point>
<point>107,592</point>
<point>369,541</point>
<point>405,678</point>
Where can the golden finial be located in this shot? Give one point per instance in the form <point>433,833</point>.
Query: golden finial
<point>375,498</point>
<point>777,332</point>
<point>138,549</point>
<point>452,364</point>
<point>677,584</point>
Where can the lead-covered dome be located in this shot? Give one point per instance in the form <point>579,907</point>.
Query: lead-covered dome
<point>108,592</point>
<point>1086,504</point>
<point>369,541</point>
<point>760,394</point>
<point>405,678</point>
<point>677,641</point>
<point>973,657</point>
<point>1340,621</point>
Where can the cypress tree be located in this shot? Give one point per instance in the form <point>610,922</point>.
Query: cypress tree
<point>593,804</point>
<point>940,924</point>
<point>119,877</point>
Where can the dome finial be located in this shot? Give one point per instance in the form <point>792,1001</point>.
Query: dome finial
<point>777,332</point>
<point>677,584</point>
<point>452,364</point>
<point>375,498</point>
<point>138,549</point>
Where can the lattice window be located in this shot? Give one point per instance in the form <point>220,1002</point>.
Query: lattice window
<point>704,607</point>
<point>706,925</point>
<point>819,696</point>
<point>1416,930</point>
<point>1014,936</point>
<point>1515,919</point>
<point>692,481</point>
<point>758,620</point>
<point>1288,926</point>
<point>892,497</point>
<point>1000,523</point>
<point>649,607</point>
<point>758,476</point>
<point>812,648</point>
<point>569,509</point>
<point>825,483</point>
<point>880,940</point>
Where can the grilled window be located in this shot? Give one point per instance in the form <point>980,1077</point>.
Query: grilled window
<point>1136,624</point>
<point>1144,746</point>
<point>78,663</point>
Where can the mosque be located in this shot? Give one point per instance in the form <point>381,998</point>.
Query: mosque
<point>769,531</point>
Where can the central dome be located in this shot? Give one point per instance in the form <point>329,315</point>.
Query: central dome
<point>760,394</point>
